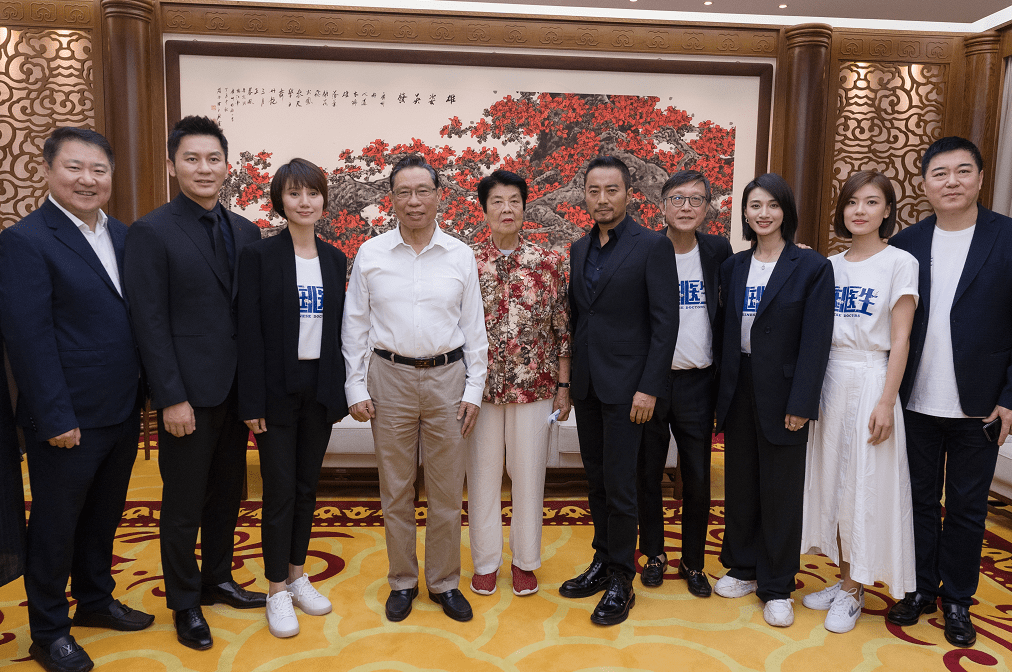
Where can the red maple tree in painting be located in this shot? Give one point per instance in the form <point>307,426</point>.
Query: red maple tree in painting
<point>547,138</point>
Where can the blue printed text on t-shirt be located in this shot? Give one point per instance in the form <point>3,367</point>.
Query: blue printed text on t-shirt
<point>855,300</point>
<point>753,296</point>
<point>310,300</point>
<point>692,293</point>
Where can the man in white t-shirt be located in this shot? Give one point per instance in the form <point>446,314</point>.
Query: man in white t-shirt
<point>958,380</point>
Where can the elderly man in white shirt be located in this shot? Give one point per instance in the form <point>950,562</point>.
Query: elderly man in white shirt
<point>414,320</point>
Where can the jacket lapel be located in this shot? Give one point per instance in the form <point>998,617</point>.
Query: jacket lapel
<point>290,308</point>
<point>921,249</point>
<point>739,278</point>
<point>785,266</point>
<point>624,245</point>
<point>980,246</point>
<point>195,231</point>
<point>67,233</point>
<point>710,269</point>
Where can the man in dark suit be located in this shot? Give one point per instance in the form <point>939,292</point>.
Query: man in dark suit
<point>72,352</point>
<point>686,198</point>
<point>624,322</point>
<point>180,276</point>
<point>958,379</point>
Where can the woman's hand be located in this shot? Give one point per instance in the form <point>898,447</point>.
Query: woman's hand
<point>881,423</point>
<point>258,426</point>
<point>794,423</point>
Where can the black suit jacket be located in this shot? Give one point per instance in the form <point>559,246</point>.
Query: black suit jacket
<point>184,304</point>
<point>269,330</point>
<point>624,333</point>
<point>980,317</point>
<point>67,329</point>
<point>791,337</point>
<point>713,250</point>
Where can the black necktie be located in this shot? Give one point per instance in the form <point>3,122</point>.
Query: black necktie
<point>213,225</point>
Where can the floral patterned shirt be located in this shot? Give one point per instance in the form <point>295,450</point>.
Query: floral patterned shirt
<point>527,320</point>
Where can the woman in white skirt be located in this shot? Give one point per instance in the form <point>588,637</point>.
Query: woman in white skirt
<point>857,507</point>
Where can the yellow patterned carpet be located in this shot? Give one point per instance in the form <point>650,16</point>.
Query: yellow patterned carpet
<point>668,629</point>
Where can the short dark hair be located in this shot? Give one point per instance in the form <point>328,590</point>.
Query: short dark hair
<point>609,162</point>
<point>504,178</point>
<point>66,133</point>
<point>296,174</point>
<point>194,125</point>
<point>687,177</point>
<point>414,161</point>
<point>950,144</point>
<point>851,186</point>
<point>778,188</point>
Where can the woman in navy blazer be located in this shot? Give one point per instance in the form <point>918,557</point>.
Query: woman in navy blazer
<point>777,301</point>
<point>291,379</point>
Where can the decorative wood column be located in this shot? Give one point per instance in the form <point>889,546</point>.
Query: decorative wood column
<point>126,50</point>
<point>807,73</point>
<point>981,84</point>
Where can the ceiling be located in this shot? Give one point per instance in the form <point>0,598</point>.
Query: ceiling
<point>970,16</point>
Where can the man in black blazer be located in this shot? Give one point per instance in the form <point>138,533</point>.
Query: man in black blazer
<point>958,379</point>
<point>624,322</point>
<point>685,198</point>
<point>180,277</point>
<point>72,352</point>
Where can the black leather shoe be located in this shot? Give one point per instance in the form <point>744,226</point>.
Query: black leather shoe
<point>117,616</point>
<point>455,605</point>
<point>697,582</point>
<point>653,572</point>
<point>399,603</point>
<point>910,608</point>
<point>591,582</point>
<point>192,630</point>
<point>232,594</point>
<point>63,655</point>
<point>616,602</point>
<point>959,630</point>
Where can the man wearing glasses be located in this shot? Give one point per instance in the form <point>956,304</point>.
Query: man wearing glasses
<point>686,206</point>
<point>416,352</point>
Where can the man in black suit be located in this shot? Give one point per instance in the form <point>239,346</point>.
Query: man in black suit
<point>624,321</point>
<point>72,352</point>
<point>958,379</point>
<point>180,277</point>
<point>686,200</point>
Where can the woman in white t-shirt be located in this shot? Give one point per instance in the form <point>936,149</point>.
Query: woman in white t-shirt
<point>291,379</point>
<point>857,483</point>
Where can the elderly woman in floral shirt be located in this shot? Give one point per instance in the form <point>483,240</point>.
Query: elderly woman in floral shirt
<point>527,319</point>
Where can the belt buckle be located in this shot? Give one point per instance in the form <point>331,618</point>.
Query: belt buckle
<point>425,363</point>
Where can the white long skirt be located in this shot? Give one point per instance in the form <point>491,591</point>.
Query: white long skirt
<point>857,488</point>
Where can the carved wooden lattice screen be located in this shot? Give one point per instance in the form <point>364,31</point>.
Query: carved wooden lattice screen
<point>888,110</point>
<point>46,80</point>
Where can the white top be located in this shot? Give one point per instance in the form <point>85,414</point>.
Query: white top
<point>414,305</point>
<point>866,292</point>
<point>694,348</point>
<point>100,241</point>
<point>310,280</point>
<point>758,278</point>
<point>935,392</point>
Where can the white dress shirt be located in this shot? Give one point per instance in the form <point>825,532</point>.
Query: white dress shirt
<point>100,241</point>
<point>414,305</point>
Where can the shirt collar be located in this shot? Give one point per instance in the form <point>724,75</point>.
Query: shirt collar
<point>495,252</point>
<point>619,229</point>
<point>439,237</point>
<point>198,210</point>
<point>100,225</point>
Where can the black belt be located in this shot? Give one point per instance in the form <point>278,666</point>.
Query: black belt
<point>425,362</point>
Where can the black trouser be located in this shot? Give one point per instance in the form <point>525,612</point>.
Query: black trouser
<point>690,418</point>
<point>951,454</point>
<point>764,493</point>
<point>609,446</point>
<point>290,459</point>
<point>202,478</point>
<point>77,503</point>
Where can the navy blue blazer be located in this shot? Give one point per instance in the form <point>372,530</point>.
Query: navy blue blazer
<point>791,337</point>
<point>713,251</point>
<point>269,330</point>
<point>981,314</point>
<point>67,329</point>
<point>624,333</point>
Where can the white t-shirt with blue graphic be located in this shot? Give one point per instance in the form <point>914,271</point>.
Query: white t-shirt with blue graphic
<point>694,347</point>
<point>310,281</point>
<point>758,278</point>
<point>866,292</point>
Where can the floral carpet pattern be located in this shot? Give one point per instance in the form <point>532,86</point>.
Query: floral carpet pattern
<point>668,629</point>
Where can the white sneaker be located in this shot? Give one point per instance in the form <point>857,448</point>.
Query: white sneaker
<point>823,599</point>
<point>307,598</point>
<point>281,620</point>
<point>846,609</point>
<point>779,613</point>
<point>728,586</point>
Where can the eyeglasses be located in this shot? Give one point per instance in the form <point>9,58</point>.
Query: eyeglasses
<point>423,193</point>
<point>679,201</point>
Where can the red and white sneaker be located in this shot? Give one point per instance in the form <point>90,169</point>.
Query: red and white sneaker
<point>524,582</point>
<point>483,584</point>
